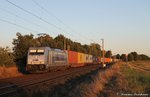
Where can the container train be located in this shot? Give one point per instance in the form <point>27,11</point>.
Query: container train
<point>47,59</point>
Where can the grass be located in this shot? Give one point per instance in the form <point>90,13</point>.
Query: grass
<point>138,82</point>
<point>72,87</point>
<point>128,80</point>
<point>6,72</point>
<point>88,85</point>
<point>120,78</point>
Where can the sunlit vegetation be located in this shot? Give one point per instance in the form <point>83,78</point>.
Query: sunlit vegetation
<point>88,85</point>
<point>6,57</point>
<point>7,64</point>
<point>138,82</point>
<point>118,79</point>
<point>6,72</point>
<point>130,79</point>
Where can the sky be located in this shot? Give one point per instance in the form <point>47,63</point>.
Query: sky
<point>123,24</point>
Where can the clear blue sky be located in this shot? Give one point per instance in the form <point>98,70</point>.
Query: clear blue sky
<point>124,24</point>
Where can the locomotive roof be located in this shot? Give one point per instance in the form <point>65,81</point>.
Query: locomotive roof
<point>39,47</point>
<point>54,49</point>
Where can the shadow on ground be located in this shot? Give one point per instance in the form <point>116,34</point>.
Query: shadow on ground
<point>71,88</point>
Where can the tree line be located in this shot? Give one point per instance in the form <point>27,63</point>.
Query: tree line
<point>22,43</point>
<point>132,56</point>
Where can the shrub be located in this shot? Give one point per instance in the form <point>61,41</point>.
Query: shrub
<point>6,57</point>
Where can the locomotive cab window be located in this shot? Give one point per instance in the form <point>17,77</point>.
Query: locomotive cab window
<point>36,52</point>
<point>32,52</point>
<point>40,52</point>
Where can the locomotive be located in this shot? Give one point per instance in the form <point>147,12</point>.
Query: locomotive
<point>47,59</point>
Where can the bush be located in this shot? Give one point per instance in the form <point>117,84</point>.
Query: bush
<point>6,57</point>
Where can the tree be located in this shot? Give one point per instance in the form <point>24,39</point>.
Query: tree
<point>130,57</point>
<point>118,56</point>
<point>45,40</point>
<point>95,49</point>
<point>86,49</point>
<point>144,57</point>
<point>123,57</point>
<point>6,57</point>
<point>135,55</point>
<point>59,41</point>
<point>20,49</point>
<point>108,54</point>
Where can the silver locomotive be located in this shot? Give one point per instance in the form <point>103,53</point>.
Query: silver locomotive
<point>46,58</point>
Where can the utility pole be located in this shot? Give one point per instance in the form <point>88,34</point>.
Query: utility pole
<point>64,44</point>
<point>104,65</point>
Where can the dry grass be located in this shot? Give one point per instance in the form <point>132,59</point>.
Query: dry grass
<point>99,82</point>
<point>143,66</point>
<point>6,72</point>
<point>131,78</point>
<point>89,85</point>
<point>117,79</point>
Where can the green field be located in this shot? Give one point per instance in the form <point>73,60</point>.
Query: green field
<point>137,75</point>
<point>132,79</point>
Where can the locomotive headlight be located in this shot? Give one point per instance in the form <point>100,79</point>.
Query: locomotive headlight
<point>104,65</point>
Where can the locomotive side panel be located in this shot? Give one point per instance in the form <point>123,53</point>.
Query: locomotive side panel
<point>59,58</point>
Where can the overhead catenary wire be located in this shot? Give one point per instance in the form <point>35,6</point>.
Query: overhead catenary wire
<point>6,21</point>
<point>50,13</point>
<point>35,15</point>
<point>59,20</point>
<point>23,19</point>
<point>11,13</point>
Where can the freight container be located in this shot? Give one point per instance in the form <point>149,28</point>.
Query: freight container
<point>86,59</point>
<point>111,60</point>
<point>90,58</point>
<point>81,59</point>
<point>94,60</point>
<point>72,57</point>
<point>107,60</point>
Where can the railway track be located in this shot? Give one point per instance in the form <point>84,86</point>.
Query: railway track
<point>13,85</point>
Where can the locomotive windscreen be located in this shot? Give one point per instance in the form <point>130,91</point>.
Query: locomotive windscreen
<point>36,52</point>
